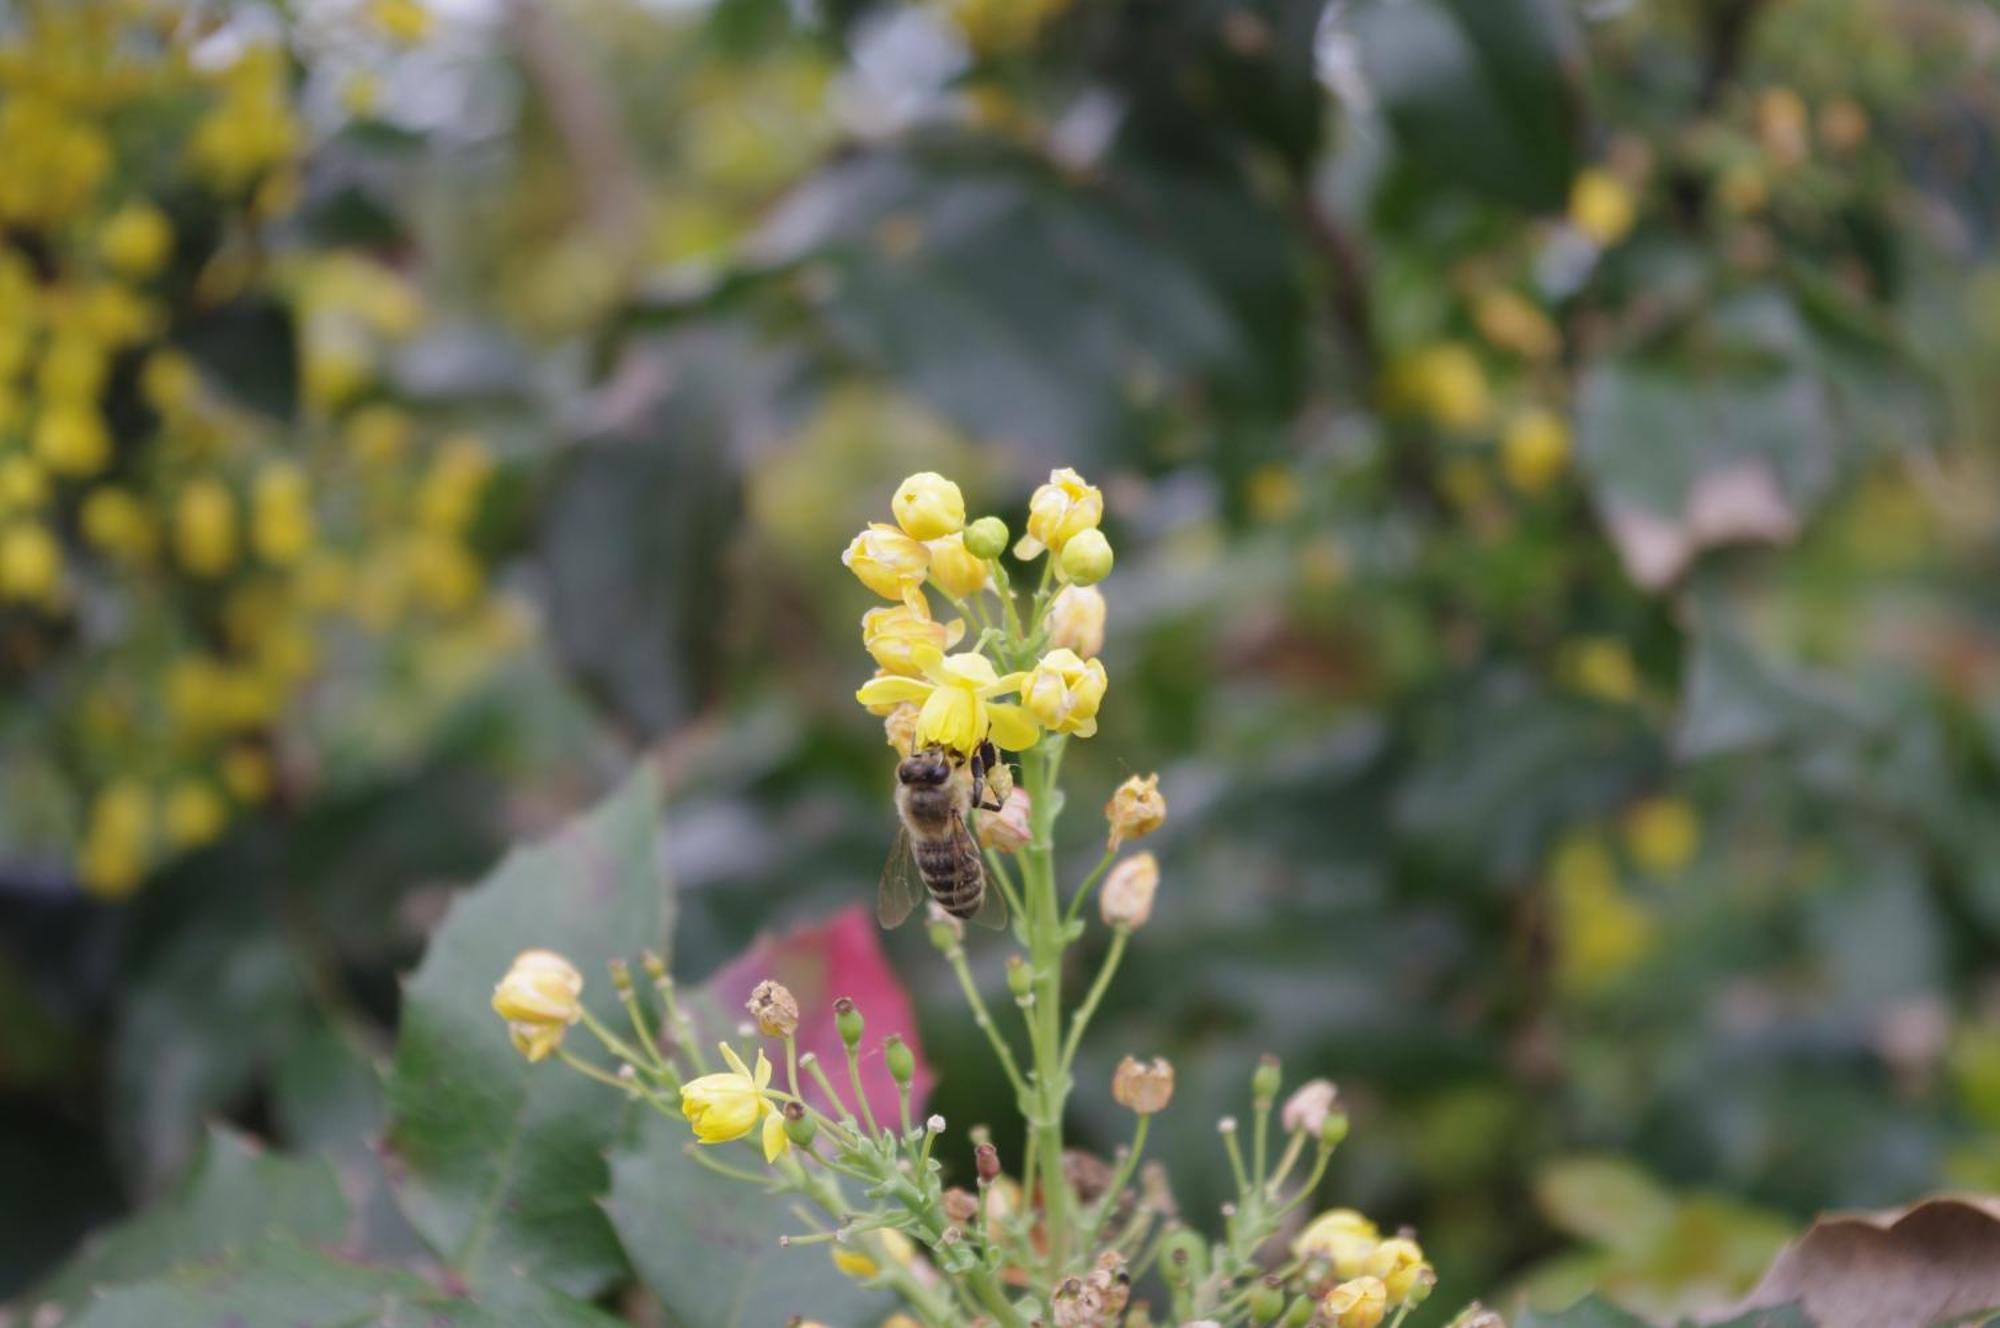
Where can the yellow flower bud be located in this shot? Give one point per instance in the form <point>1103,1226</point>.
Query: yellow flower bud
<point>1061,509</point>
<point>1086,559</point>
<point>1063,693</point>
<point>1341,1236</point>
<point>1141,1087</point>
<point>1127,898</point>
<point>540,997</point>
<point>928,506</point>
<point>1446,383</point>
<point>1601,207</point>
<point>852,1262</point>
<point>118,524</point>
<point>1534,452</point>
<point>955,571</point>
<point>1602,666</point>
<point>281,517</point>
<point>205,528</point>
<point>72,371</point>
<point>71,439</point>
<point>24,485</point>
<point>195,814</point>
<point>888,562</point>
<point>1399,1263</point>
<point>136,240</point>
<point>1076,620</point>
<point>1513,322</point>
<point>110,870</point>
<point>168,380</point>
<point>1663,834</point>
<point>379,434</point>
<point>403,21</point>
<point>31,563</point>
<point>1136,809</point>
<point>894,634</point>
<point>1359,1303</point>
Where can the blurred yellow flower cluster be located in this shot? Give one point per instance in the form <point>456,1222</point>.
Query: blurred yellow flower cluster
<point>930,698</point>
<point>173,562</point>
<point>1369,1274</point>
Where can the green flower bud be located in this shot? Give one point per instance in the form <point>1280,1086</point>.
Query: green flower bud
<point>1334,1130</point>
<point>1299,1313</point>
<point>1020,978</point>
<point>1267,1301</point>
<point>1086,558</point>
<point>986,537</point>
<point>1264,1080</point>
<point>621,978</point>
<point>849,1021</point>
<point>1183,1257</point>
<point>901,1062</point>
<point>799,1127</point>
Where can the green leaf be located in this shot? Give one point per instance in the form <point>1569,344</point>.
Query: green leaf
<point>708,1247</point>
<point>1588,1313</point>
<point>279,1284</point>
<point>237,1195</point>
<point>1604,1199</point>
<point>1479,92</point>
<point>498,1163</point>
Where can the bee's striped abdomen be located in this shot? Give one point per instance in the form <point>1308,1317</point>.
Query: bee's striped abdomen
<point>952,870</point>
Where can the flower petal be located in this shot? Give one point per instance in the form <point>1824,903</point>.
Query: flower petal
<point>775,1140</point>
<point>889,691</point>
<point>1012,728</point>
<point>735,1062</point>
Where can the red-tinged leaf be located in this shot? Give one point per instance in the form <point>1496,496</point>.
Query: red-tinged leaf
<point>842,956</point>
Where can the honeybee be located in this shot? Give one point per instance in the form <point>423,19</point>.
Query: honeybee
<point>936,792</point>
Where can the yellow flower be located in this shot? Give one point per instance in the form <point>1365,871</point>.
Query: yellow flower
<point>928,506</point>
<point>853,1263</point>
<point>956,694</point>
<point>1601,207</point>
<point>1663,834</point>
<point>859,1265</point>
<point>246,773</point>
<point>117,523</point>
<point>540,997</point>
<point>1602,666</point>
<point>31,563</point>
<point>168,380</point>
<point>1059,509</point>
<point>70,439</point>
<point>1399,1262</point>
<point>892,633</point>
<point>1445,382</point>
<point>955,570</point>
<point>888,562</point>
<point>24,485</point>
<point>136,240</point>
<point>727,1106</point>
<point>281,518</point>
<point>1359,1303</point>
<point>1511,321</point>
<point>1341,1236</point>
<point>404,21</point>
<point>194,814</point>
<point>205,528</point>
<point>1064,692</point>
<point>1534,452</point>
<point>1076,620</point>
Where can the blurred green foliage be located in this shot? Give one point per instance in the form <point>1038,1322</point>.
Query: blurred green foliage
<point>1551,453</point>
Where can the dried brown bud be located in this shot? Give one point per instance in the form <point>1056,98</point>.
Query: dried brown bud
<point>986,1160</point>
<point>774,1009</point>
<point>899,727</point>
<point>1136,809</point>
<point>1127,900</point>
<point>1008,830</point>
<point>1309,1106</point>
<point>960,1205</point>
<point>1141,1087</point>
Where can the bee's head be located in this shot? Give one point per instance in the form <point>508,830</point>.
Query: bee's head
<point>926,769</point>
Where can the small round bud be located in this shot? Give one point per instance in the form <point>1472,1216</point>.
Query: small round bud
<point>774,1008</point>
<point>1267,1300</point>
<point>986,537</point>
<point>1060,510</point>
<point>935,1125</point>
<point>1334,1131</point>
<point>1183,1256</point>
<point>1141,1087</point>
<point>1076,620</point>
<point>1127,899</point>
<point>656,967</point>
<point>986,1161</point>
<point>928,506</point>
<point>1266,1079</point>
<point>1020,978</point>
<point>540,997</point>
<point>897,1056</point>
<point>849,1022</point>
<point>1136,809</point>
<point>1086,559</point>
<point>946,931</point>
<point>1307,1109</point>
<point>799,1127</point>
<point>1299,1313</point>
<point>621,978</point>
<point>961,1206</point>
<point>1358,1303</point>
<point>1227,1125</point>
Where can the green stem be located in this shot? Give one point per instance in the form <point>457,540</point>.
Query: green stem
<point>997,866</point>
<point>1083,891</point>
<point>1288,1161</point>
<point>584,1067</point>
<point>818,1073</point>
<point>984,1019</point>
<point>1119,1180</point>
<point>1045,947</point>
<point>861,1094</point>
<point>1097,989</point>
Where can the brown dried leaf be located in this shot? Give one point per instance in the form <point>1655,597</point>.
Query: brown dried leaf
<point>1907,1268</point>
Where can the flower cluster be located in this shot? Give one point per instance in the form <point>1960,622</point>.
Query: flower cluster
<point>176,554</point>
<point>1067,1239</point>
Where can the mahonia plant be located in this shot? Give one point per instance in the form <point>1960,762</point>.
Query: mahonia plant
<point>179,553</point>
<point>1054,1242</point>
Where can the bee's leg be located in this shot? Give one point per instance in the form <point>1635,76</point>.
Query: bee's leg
<point>984,759</point>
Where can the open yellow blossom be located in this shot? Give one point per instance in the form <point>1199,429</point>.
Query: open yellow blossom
<point>955,692</point>
<point>1059,509</point>
<point>1358,1303</point>
<point>891,635</point>
<point>928,506</point>
<point>1064,691</point>
<point>1343,1237</point>
<point>955,571</point>
<point>540,997</point>
<point>888,562</point>
<point>1399,1263</point>
<point>71,439</point>
<point>727,1106</point>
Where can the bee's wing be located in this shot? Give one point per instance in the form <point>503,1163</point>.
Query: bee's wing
<point>902,885</point>
<point>992,906</point>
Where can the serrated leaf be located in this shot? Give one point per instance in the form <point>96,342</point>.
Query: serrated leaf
<point>237,1195</point>
<point>498,1163</point>
<point>707,1245</point>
